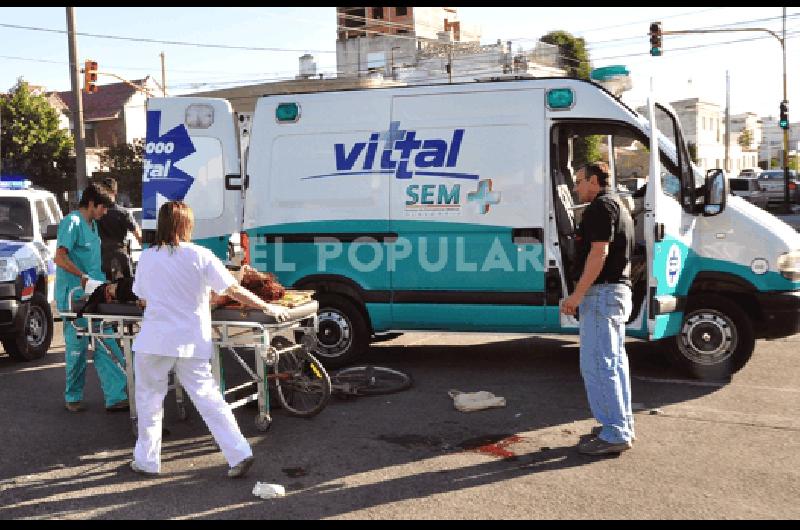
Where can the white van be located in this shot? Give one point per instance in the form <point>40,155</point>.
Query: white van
<point>450,208</point>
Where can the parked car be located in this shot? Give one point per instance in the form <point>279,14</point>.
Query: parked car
<point>749,172</point>
<point>750,190</point>
<point>771,181</point>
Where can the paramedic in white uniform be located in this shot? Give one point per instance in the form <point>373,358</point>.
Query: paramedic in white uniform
<point>174,278</point>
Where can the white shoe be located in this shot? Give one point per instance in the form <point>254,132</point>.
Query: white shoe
<point>135,467</point>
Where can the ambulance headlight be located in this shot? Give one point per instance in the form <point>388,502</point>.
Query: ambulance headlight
<point>789,265</point>
<point>8,269</point>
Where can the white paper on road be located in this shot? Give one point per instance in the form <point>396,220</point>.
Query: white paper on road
<point>470,401</point>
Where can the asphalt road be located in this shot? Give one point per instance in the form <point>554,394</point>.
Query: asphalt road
<point>702,450</point>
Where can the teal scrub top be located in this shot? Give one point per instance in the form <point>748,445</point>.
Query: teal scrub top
<point>82,242</point>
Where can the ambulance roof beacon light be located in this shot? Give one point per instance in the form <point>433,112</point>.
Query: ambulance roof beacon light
<point>560,99</point>
<point>287,113</point>
<point>784,121</point>
<point>616,79</point>
<point>655,39</point>
<point>90,76</point>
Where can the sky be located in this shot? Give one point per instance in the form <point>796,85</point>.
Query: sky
<point>692,65</point>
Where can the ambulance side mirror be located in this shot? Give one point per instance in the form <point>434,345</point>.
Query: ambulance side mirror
<point>50,232</point>
<point>716,192</point>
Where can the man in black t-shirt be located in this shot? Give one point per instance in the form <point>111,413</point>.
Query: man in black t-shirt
<point>603,296</point>
<point>113,229</point>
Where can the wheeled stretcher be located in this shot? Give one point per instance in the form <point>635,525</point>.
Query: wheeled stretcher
<point>281,354</point>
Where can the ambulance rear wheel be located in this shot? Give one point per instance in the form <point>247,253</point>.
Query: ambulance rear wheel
<point>37,332</point>
<point>716,338</point>
<point>343,334</point>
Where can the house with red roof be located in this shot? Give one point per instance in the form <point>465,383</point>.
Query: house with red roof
<point>115,114</point>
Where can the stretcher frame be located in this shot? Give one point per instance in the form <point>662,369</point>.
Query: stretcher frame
<point>227,334</point>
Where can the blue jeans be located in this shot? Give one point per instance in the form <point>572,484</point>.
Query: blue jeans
<point>604,363</point>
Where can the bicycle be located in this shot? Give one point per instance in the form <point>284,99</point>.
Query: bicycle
<point>368,380</point>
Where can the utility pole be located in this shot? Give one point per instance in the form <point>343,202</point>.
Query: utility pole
<point>727,121</point>
<point>163,77</point>
<point>77,117</point>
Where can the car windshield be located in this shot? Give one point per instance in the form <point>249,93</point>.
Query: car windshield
<point>15,218</point>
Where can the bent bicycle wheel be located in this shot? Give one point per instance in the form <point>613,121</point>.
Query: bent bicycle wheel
<point>301,382</point>
<point>372,380</point>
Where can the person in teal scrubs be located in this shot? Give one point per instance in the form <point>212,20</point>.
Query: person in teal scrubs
<point>78,260</point>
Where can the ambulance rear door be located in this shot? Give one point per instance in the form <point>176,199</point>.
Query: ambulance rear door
<point>192,154</point>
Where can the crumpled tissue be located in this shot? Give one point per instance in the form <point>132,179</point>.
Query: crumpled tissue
<point>268,491</point>
<point>470,401</point>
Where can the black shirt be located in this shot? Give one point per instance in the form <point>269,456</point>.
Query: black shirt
<point>114,226</point>
<point>605,219</point>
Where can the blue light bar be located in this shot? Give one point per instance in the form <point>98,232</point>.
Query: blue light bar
<point>14,183</point>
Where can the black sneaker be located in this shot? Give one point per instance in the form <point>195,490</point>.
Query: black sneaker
<point>596,432</point>
<point>597,447</point>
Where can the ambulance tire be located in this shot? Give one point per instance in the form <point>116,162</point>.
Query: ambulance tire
<point>343,333</point>
<point>34,342</point>
<point>716,338</point>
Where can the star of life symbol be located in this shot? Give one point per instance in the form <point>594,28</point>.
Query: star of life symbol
<point>484,197</point>
<point>673,266</point>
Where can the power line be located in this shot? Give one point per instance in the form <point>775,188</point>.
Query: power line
<point>175,43</point>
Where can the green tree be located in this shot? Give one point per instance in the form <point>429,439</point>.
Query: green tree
<point>125,164</point>
<point>574,58</point>
<point>746,139</point>
<point>32,144</point>
<point>572,53</point>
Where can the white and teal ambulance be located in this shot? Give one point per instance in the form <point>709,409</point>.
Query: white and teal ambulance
<point>29,220</point>
<point>450,208</point>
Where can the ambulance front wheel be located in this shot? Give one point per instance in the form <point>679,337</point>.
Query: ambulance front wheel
<point>343,333</point>
<point>716,338</point>
<point>32,340</point>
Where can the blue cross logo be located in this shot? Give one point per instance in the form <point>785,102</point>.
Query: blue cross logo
<point>673,265</point>
<point>393,134</point>
<point>484,197</point>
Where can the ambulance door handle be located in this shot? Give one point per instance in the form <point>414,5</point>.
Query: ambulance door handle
<point>526,236</point>
<point>230,185</point>
<point>659,231</point>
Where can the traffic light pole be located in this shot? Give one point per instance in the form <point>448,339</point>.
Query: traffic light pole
<point>782,40</point>
<point>786,207</point>
<point>77,116</point>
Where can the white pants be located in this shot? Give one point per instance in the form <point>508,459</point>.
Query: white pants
<point>151,378</point>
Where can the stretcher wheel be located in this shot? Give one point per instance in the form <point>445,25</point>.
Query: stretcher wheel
<point>263,422</point>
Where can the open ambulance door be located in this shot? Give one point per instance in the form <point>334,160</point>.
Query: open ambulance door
<point>192,154</point>
<point>669,204</point>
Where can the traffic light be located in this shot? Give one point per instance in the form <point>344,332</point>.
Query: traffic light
<point>90,76</point>
<point>784,123</point>
<point>655,39</point>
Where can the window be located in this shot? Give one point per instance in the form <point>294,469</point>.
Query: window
<point>15,218</point>
<point>377,12</point>
<point>54,208</point>
<point>704,123</point>
<point>90,135</point>
<point>42,215</point>
<point>401,11</point>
